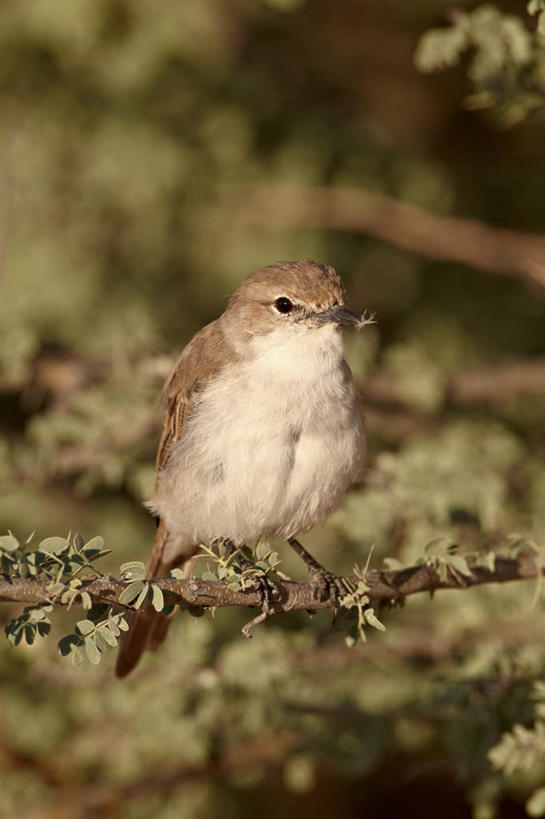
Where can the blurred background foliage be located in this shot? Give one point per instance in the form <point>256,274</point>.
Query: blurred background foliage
<point>142,149</point>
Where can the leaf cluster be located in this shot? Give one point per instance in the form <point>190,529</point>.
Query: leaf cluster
<point>506,62</point>
<point>100,630</point>
<point>139,589</point>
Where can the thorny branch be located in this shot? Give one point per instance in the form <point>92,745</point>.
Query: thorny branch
<point>391,585</point>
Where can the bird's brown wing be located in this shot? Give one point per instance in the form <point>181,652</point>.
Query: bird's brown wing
<point>205,356</point>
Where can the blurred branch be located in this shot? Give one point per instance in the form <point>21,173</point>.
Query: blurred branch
<point>392,585</point>
<point>497,384</point>
<point>410,227</point>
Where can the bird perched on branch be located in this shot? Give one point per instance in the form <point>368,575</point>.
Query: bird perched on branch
<point>263,431</point>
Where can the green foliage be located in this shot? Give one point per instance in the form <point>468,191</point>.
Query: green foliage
<point>538,7</point>
<point>93,636</point>
<point>127,140</point>
<point>222,564</point>
<point>442,556</point>
<point>66,563</point>
<point>139,590</point>
<point>31,623</point>
<point>56,559</point>
<point>522,751</point>
<point>507,60</point>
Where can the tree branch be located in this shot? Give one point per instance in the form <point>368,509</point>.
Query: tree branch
<point>412,228</point>
<point>389,585</point>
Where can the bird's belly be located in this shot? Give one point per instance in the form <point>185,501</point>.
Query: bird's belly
<point>270,466</point>
<point>324,466</point>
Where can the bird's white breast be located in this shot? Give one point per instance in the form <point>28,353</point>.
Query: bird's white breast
<point>271,445</point>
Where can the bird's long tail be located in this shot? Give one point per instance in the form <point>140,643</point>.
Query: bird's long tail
<point>147,627</point>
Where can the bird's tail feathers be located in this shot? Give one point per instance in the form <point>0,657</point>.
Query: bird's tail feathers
<point>147,627</point>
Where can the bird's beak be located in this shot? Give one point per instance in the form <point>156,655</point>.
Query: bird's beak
<point>339,315</point>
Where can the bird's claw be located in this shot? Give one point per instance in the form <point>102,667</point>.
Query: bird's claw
<point>267,591</point>
<point>328,584</point>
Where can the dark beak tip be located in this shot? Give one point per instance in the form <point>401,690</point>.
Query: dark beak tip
<point>344,316</point>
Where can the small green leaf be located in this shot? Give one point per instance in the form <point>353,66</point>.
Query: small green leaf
<point>157,599</point>
<point>78,541</point>
<point>43,628</point>
<point>177,574</point>
<point>86,601</point>
<point>66,644</point>
<point>535,806</point>
<point>459,564</point>
<point>78,657</point>
<point>142,596</point>
<point>114,627</point>
<point>261,551</point>
<point>15,637</point>
<point>85,626</point>
<point>133,570</point>
<point>53,544</point>
<point>92,651</point>
<point>209,576</point>
<point>438,547</point>
<point>370,618</point>
<point>108,636</point>
<point>8,543</point>
<point>30,633</point>
<point>95,543</point>
<point>131,592</point>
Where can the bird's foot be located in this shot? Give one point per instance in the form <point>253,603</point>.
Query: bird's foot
<point>325,583</point>
<point>328,585</point>
<point>268,590</point>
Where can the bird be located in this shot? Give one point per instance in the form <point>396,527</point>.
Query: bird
<point>263,431</point>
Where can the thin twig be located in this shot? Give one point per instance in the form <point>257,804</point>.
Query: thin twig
<point>389,585</point>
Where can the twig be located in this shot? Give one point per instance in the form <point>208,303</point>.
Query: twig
<point>389,585</point>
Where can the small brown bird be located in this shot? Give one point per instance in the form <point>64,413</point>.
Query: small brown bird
<point>263,430</point>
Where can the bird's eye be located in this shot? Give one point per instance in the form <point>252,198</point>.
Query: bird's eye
<point>283,305</point>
